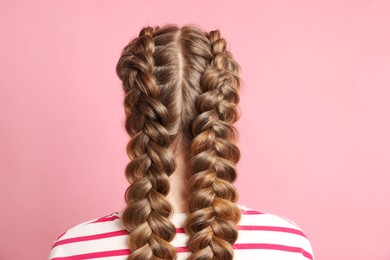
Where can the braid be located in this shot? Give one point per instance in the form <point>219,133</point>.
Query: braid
<point>214,214</point>
<point>147,212</point>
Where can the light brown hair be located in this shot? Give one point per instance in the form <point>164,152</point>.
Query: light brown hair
<point>180,95</point>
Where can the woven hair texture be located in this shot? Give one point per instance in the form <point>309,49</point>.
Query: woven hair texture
<point>181,91</point>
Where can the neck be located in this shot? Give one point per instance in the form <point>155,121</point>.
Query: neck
<point>177,181</point>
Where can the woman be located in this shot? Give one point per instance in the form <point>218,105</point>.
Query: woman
<point>181,90</point>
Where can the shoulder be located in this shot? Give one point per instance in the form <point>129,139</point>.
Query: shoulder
<point>278,234</point>
<point>88,238</point>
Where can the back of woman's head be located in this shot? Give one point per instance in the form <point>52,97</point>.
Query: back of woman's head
<point>181,93</point>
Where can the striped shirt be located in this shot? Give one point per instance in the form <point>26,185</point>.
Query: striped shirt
<point>261,235</point>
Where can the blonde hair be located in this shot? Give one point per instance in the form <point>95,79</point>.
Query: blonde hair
<point>181,91</point>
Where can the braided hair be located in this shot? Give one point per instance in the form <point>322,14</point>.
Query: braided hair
<point>181,94</point>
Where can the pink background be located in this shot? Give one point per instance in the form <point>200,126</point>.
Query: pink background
<point>314,127</point>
